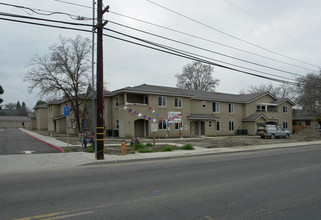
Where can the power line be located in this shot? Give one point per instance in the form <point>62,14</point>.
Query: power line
<point>207,50</point>
<point>189,53</point>
<point>210,41</point>
<point>166,50</point>
<point>48,13</point>
<point>70,3</point>
<point>230,35</point>
<point>42,19</point>
<point>271,26</point>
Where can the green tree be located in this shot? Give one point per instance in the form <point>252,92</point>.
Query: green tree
<point>197,76</point>
<point>63,72</point>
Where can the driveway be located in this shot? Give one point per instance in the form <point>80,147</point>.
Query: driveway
<point>14,141</point>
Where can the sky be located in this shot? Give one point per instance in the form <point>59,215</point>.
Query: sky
<point>279,38</point>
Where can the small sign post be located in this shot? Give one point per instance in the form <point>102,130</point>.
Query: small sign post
<point>67,113</point>
<point>154,130</point>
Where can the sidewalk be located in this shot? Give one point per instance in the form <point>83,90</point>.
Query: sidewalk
<point>37,162</point>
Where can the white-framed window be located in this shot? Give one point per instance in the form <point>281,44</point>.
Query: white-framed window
<point>116,101</point>
<point>162,124</point>
<point>178,102</point>
<point>204,104</point>
<point>218,126</point>
<point>285,109</point>
<point>231,125</point>
<point>216,107</point>
<point>210,124</point>
<point>117,124</point>
<point>260,108</point>
<point>162,101</point>
<point>285,125</point>
<point>179,126</point>
<point>230,108</point>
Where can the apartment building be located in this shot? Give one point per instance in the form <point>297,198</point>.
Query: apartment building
<point>140,111</point>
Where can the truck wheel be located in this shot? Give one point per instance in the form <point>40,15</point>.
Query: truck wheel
<point>272,136</point>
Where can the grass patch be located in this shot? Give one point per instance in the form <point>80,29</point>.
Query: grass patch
<point>188,147</point>
<point>90,149</point>
<point>145,151</point>
<point>137,146</point>
<point>167,148</point>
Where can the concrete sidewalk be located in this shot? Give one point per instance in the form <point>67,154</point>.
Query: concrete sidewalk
<point>37,162</point>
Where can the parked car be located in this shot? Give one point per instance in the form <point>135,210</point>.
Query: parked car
<point>272,131</point>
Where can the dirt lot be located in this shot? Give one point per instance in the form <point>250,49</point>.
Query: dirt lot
<point>307,134</point>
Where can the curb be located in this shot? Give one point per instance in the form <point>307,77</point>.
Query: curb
<point>51,145</point>
<point>190,155</point>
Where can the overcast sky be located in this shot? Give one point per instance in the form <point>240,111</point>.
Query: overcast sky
<point>289,28</point>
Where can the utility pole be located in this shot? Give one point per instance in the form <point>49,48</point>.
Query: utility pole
<point>100,81</point>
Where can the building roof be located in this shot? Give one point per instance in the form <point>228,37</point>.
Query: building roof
<point>194,94</point>
<point>254,117</point>
<point>14,118</point>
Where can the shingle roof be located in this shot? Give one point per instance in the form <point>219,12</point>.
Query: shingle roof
<point>14,118</point>
<point>194,94</point>
<point>254,117</point>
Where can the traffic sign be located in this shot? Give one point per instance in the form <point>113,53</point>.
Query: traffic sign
<point>66,111</point>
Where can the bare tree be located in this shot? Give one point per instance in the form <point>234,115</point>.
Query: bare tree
<point>64,71</point>
<point>1,92</point>
<point>197,76</point>
<point>309,90</point>
<point>280,91</point>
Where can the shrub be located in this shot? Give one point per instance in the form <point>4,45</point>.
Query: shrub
<point>167,148</point>
<point>145,151</point>
<point>149,145</point>
<point>138,146</point>
<point>188,147</point>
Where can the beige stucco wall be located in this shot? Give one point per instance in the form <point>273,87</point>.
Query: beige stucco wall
<point>41,118</point>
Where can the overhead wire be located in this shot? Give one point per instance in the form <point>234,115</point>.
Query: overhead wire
<point>48,13</point>
<point>165,49</point>
<point>230,35</point>
<point>200,48</point>
<point>210,41</point>
<point>189,53</point>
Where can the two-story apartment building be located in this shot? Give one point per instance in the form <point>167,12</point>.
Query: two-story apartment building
<point>174,112</point>
<point>135,109</point>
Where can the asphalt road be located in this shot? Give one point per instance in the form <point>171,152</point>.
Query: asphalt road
<point>271,184</point>
<point>14,141</point>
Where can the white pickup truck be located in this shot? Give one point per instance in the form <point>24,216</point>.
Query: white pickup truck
<point>272,131</point>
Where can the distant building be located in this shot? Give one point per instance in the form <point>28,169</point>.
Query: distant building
<point>14,122</point>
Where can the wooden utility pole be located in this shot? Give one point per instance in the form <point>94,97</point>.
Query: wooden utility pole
<point>100,81</point>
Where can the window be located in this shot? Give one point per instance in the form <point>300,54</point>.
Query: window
<point>117,124</point>
<point>218,126</point>
<point>210,124</point>
<point>178,102</point>
<point>231,125</point>
<point>162,124</point>
<point>162,101</point>
<point>285,109</point>
<point>116,101</point>
<point>260,108</point>
<point>285,125</point>
<point>179,126</point>
<point>216,107</point>
<point>230,108</point>
<point>204,104</point>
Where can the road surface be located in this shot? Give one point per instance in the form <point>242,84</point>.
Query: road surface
<point>271,184</point>
<point>14,141</point>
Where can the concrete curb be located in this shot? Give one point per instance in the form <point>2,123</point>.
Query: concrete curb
<point>204,153</point>
<point>51,145</point>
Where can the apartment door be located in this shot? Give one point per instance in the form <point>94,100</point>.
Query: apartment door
<point>141,128</point>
